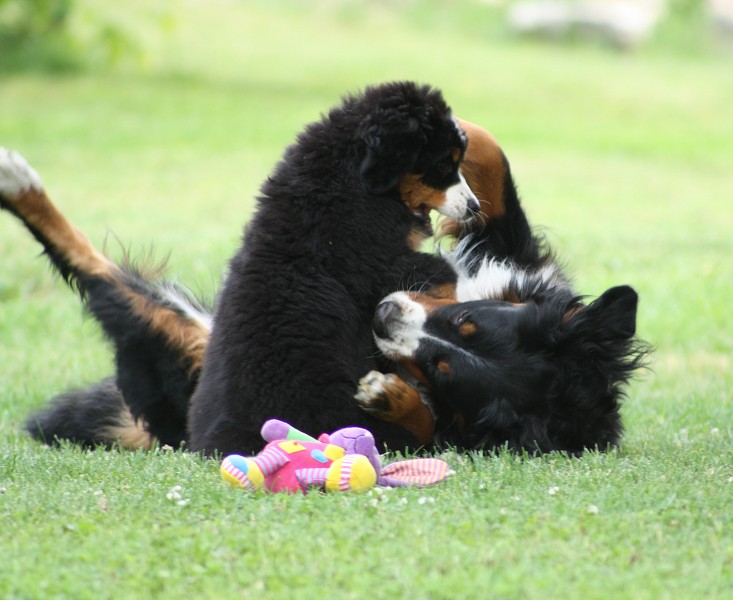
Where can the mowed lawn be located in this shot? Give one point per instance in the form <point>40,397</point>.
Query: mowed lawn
<point>625,161</point>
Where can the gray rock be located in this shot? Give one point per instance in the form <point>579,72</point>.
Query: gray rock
<point>624,23</point>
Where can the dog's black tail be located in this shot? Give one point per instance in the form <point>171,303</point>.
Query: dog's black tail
<point>158,331</point>
<point>97,415</point>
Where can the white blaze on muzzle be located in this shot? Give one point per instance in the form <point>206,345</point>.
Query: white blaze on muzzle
<point>460,201</point>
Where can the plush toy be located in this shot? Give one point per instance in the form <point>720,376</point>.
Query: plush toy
<point>346,460</point>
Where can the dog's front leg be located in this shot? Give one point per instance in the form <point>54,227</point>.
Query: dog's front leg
<point>390,398</point>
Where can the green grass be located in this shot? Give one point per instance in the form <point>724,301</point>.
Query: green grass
<point>624,159</point>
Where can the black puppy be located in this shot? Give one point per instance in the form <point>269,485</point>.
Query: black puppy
<point>337,228</point>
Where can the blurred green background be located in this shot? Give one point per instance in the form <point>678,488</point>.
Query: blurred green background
<point>153,124</point>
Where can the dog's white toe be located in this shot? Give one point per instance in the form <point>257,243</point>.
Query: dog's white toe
<point>16,175</point>
<point>371,387</point>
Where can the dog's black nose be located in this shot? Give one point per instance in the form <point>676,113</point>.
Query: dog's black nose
<point>385,313</point>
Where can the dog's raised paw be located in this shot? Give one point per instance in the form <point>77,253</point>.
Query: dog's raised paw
<point>16,175</point>
<point>371,395</point>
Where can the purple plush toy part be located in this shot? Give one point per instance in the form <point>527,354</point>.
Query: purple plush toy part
<point>354,441</point>
<point>417,472</point>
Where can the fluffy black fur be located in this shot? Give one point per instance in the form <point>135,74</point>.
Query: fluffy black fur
<point>292,335</point>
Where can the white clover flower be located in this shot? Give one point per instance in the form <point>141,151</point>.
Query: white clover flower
<point>175,493</point>
<point>553,490</point>
<point>592,509</point>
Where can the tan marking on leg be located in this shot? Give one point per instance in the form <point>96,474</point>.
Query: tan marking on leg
<point>37,211</point>
<point>404,408</point>
<point>189,336</point>
<point>483,168</point>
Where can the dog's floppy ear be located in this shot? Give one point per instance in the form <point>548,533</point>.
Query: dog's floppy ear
<point>617,308</point>
<point>612,316</point>
<point>393,141</point>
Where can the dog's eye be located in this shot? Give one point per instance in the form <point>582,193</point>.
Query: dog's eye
<point>460,318</point>
<point>466,328</point>
<point>444,168</point>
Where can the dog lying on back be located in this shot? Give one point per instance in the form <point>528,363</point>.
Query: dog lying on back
<point>524,363</point>
<point>516,359</point>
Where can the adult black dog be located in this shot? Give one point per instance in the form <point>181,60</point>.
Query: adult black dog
<point>337,228</point>
<point>516,359</point>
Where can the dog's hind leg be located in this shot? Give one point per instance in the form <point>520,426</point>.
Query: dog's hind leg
<point>22,193</point>
<point>159,332</point>
<point>496,253</point>
<point>500,230</point>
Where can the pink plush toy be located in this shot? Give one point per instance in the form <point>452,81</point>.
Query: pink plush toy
<point>346,460</point>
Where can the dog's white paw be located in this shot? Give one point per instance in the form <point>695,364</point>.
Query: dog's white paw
<point>16,175</point>
<point>370,395</point>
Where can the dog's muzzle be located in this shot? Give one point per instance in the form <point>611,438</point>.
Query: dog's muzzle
<point>385,315</point>
<point>460,201</point>
<point>398,325</point>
